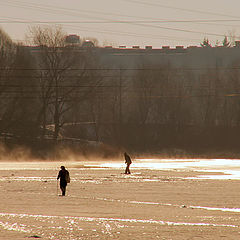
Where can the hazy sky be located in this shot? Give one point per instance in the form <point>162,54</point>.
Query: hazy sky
<point>127,22</point>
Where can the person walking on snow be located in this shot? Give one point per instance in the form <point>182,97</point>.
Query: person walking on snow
<point>128,161</point>
<point>64,179</point>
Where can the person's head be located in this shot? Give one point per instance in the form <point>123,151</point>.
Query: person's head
<point>62,167</point>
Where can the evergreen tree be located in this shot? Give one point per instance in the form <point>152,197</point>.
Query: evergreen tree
<point>225,42</point>
<point>205,43</point>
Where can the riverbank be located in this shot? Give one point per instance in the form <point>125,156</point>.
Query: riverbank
<point>104,203</point>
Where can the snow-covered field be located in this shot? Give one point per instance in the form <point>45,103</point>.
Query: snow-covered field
<point>161,199</point>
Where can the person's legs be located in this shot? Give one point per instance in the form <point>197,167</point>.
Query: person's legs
<point>127,169</point>
<point>63,189</point>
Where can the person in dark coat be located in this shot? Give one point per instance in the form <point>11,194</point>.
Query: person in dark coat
<point>63,175</point>
<point>128,161</point>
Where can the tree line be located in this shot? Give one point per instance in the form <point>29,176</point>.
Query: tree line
<point>53,90</point>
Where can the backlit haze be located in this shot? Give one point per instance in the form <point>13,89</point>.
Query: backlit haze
<point>127,22</point>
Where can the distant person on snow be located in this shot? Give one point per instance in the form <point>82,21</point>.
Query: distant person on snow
<point>128,161</point>
<point>64,179</point>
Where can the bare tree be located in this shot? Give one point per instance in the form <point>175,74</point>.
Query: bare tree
<point>7,58</point>
<point>232,112</point>
<point>55,62</point>
<point>105,105</point>
<point>141,94</point>
<point>21,92</point>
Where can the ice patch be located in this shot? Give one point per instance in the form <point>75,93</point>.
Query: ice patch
<point>217,209</point>
<point>173,205</point>
<point>14,227</point>
<point>27,179</point>
<point>95,219</point>
<point>227,168</point>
